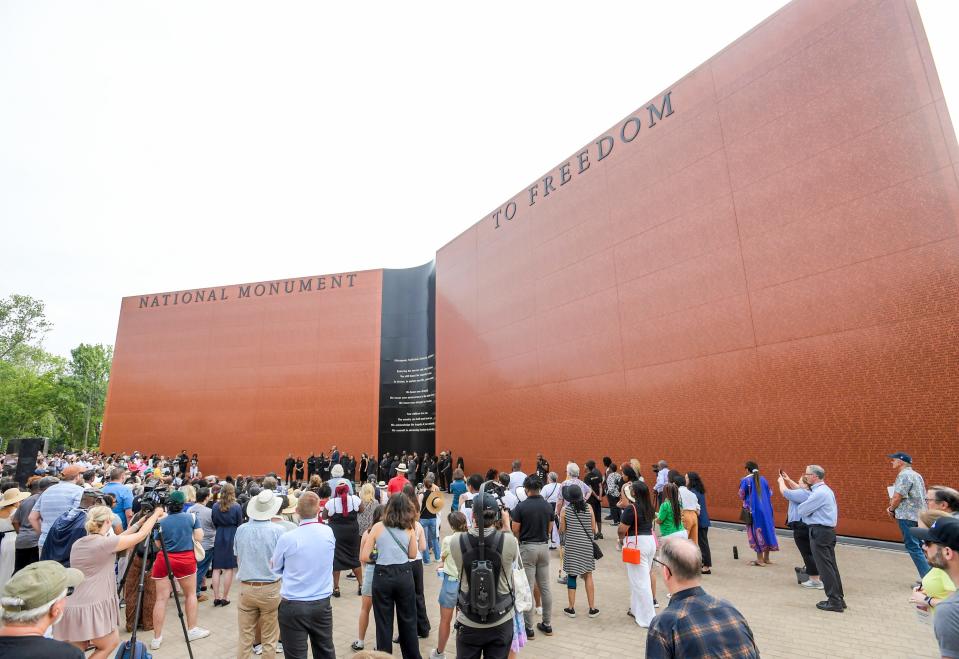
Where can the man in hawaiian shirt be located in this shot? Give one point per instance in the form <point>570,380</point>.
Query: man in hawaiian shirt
<point>908,500</point>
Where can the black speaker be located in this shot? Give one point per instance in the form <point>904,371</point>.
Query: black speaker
<point>28,447</point>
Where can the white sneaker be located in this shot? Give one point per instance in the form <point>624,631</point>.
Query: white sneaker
<point>813,585</point>
<point>258,649</point>
<point>155,643</point>
<point>437,655</point>
<point>197,633</point>
<point>539,610</point>
<point>561,578</point>
<point>279,647</point>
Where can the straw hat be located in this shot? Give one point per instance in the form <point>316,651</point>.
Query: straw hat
<point>434,502</point>
<point>12,496</point>
<point>401,467</point>
<point>289,510</point>
<point>263,506</point>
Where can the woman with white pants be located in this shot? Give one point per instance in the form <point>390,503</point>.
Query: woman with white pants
<point>636,533</point>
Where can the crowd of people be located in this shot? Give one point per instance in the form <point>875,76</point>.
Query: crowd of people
<point>87,525</point>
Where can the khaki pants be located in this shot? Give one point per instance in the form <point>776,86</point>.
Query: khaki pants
<point>691,524</point>
<point>258,606</point>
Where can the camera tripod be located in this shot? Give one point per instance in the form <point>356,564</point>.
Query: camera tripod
<point>128,649</point>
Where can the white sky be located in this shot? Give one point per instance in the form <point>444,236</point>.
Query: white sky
<point>156,146</point>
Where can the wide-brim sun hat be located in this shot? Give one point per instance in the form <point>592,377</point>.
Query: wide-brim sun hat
<point>291,508</point>
<point>434,502</point>
<point>12,496</point>
<point>401,467</point>
<point>263,506</point>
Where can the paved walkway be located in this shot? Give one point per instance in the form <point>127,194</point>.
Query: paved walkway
<point>783,617</point>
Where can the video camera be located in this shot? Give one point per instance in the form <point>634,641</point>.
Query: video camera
<point>155,493</point>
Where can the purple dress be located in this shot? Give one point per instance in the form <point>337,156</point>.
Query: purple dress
<point>762,532</point>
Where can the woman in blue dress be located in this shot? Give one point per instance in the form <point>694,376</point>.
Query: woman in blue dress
<point>227,515</point>
<point>757,500</point>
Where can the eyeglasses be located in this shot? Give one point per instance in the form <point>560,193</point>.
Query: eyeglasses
<point>656,560</point>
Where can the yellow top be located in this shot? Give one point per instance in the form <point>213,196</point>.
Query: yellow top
<point>449,567</point>
<point>937,584</point>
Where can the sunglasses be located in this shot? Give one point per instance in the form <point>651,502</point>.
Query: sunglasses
<point>70,590</point>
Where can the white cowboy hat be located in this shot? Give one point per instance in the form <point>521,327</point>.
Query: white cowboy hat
<point>264,505</point>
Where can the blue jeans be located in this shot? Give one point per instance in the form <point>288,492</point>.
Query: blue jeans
<point>432,542</point>
<point>913,546</point>
<point>202,568</point>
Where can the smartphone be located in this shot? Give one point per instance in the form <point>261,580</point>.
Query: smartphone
<point>782,473</point>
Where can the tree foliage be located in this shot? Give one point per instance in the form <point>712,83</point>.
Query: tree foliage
<point>44,394</point>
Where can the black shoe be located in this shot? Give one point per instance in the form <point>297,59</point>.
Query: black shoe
<point>336,592</point>
<point>571,612</point>
<point>593,613</point>
<point>217,602</point>
<point>829,606</point>
<point>546,629</point>
<point>530,633</point>
<point>599,536</point>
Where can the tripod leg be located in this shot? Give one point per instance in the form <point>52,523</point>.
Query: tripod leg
<point>176,598</point>
<point>129,649</point>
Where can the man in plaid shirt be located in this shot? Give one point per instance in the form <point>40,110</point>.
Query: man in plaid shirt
<point>695,624</point>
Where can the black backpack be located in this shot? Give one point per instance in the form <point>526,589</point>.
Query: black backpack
<point>482,565</point>
<point>66,529</point>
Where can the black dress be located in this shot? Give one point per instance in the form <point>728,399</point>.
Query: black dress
<point>346,530</point>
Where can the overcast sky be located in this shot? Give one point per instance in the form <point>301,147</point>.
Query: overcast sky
<point>157,146</point>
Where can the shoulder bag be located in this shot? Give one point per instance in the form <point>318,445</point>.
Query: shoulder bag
<point>632,554</point>
<point>597,552</point>
<point>198,551</point>
<point>522,593</point>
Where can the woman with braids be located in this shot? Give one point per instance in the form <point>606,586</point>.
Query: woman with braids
<point>757,514</point>
<point>670,517</point>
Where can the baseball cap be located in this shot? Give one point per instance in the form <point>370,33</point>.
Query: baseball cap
<point>944,531</point>
<point>72,471</point>
<point>38,584</point>
<point>905,457</point>
<point>176,496</point>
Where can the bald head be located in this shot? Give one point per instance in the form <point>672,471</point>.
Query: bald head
<point>683,559</point>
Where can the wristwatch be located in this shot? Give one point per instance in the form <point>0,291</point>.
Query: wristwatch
<point>928,600</point>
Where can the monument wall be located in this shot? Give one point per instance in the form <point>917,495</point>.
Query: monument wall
<point>760,263</point>
<point>245,374</point>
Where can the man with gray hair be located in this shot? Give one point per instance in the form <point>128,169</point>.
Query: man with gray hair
<point>939,497</point>
<point>32,600</point>
<point>820,513</point>
<point>695,624</point>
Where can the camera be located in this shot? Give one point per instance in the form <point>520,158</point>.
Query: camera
<point>154,494</point>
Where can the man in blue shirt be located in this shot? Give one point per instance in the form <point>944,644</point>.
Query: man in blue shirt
<point>123,495</point>
<point>820,513</point>
<point>304,560</point>
<point>796,493</point>
<point>253,546</point>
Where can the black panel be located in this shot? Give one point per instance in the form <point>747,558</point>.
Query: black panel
<point>408,361</point>
<point>27,449</point>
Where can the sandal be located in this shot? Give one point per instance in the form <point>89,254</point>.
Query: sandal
<point>757,563</point>
<point>336,592</point>
<point>706,570</point>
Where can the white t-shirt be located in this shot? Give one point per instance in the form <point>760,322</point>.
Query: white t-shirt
<point>688,499</point>
<point>551,492</point>
<point>516,479</point>
<point>467,510</point>
<point>510,500</point>
<point>334,505</point>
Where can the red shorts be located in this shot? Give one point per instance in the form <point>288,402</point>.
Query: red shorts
<point>183,564</point>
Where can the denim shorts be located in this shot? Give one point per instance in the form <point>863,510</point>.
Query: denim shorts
<point>367,589</point>
<point>449,592</point>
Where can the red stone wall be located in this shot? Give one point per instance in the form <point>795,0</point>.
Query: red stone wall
<point>245,381</point>
<point>771,272</point>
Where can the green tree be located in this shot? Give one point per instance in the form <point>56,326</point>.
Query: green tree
<point>22,321</point>
<point>90,369</point>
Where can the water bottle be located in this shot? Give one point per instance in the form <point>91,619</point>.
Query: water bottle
<point>735,553</point>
